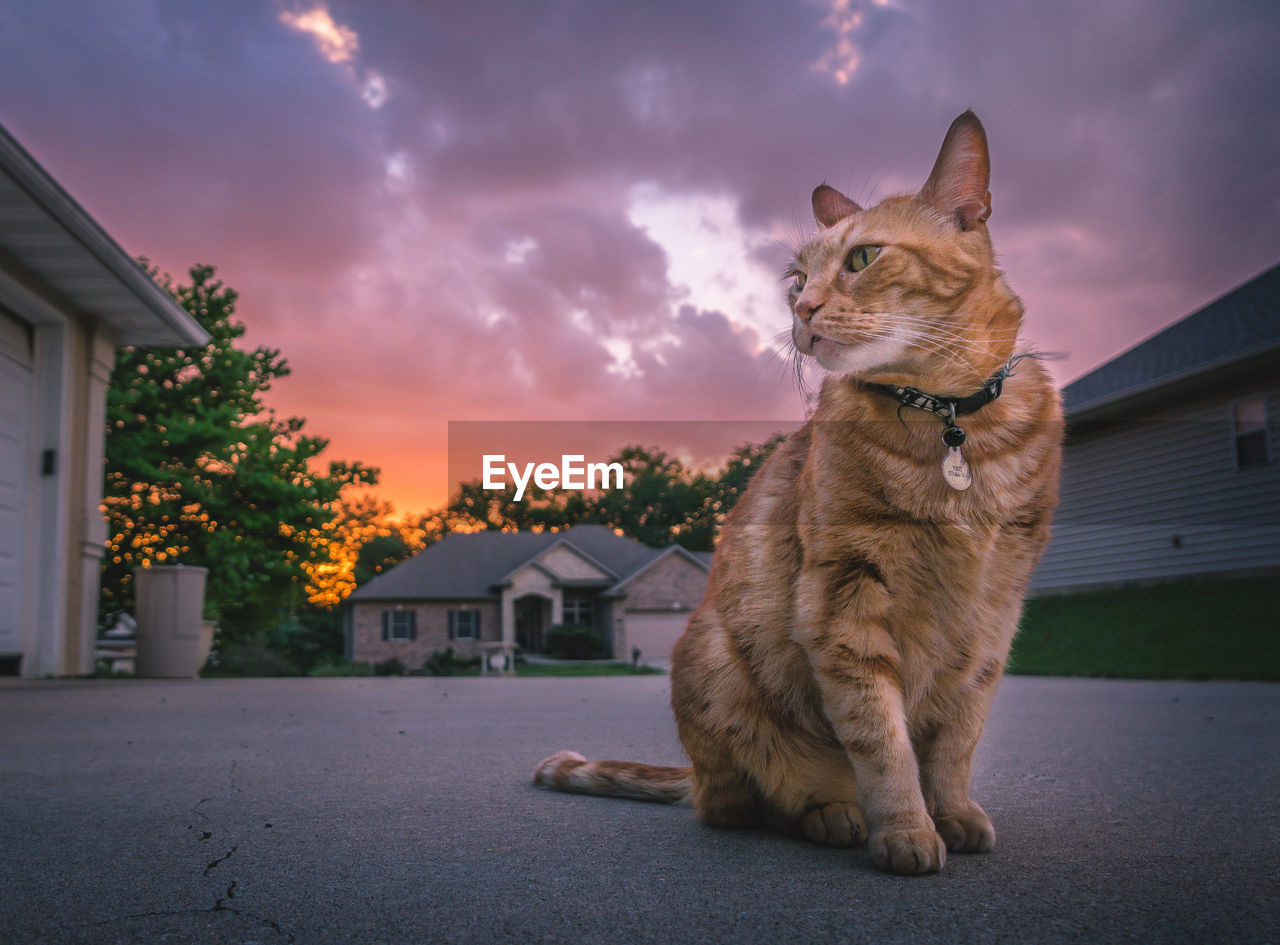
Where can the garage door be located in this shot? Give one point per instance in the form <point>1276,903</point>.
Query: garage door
<point>15,453</point>
<point>655,634</point>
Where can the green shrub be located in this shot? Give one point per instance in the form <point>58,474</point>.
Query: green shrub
<point>389,667</point>
<point>307,637</point>
<point>574,642</point>
<point>249,658</point>
<point>440,663</point>
<point>331,666</point>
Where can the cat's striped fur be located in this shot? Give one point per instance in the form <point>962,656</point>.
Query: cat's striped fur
<point>859,613</point>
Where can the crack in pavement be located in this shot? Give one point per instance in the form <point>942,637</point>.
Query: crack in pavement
<point>223,902</point>
<point>222,859</point>
<point>219,906</point>
<point>196,808</point>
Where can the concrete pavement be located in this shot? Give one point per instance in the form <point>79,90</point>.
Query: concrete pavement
<point>399,810</point>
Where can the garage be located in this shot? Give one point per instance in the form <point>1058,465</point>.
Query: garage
<point>655,634</point>
<point>15,453</point>
<point>69,294</point>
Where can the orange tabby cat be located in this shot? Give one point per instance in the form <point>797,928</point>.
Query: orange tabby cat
<point>866,588</point>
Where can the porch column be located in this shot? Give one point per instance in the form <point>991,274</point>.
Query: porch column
<point>508,617</point>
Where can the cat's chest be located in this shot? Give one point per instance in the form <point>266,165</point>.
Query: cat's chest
<point>969,492</point>
<point>937,569</point>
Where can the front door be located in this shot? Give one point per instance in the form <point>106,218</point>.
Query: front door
<point>529,629</point>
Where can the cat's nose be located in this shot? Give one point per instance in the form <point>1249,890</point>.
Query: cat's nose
<point>807,311</point>
<point>808,304</point>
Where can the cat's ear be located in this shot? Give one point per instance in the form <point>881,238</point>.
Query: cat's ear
<point>830,206</point>
<point>962,173</point>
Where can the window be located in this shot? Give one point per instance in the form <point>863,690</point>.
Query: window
<point>398,625</point>
<point>1249,418</point>
<point>579,612</point>
<point>464,625</point>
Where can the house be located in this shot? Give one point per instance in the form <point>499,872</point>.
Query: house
<point>489,587</point>
<point>1170,468</point>
<point>69,295</point>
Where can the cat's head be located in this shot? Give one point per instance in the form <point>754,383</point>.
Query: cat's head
<point>906,291</point>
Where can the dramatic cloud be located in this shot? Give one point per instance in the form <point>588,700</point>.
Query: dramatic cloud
<point>514,211</point>
<point>336,43</point>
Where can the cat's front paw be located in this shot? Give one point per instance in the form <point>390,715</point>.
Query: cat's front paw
<point>908,852</point>
<point>835,825</point>
<point>967,831</point>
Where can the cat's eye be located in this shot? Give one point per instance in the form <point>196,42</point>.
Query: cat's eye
<point>862,257</point>
<point>800,280</point>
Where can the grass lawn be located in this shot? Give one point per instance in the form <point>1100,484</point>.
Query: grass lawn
<point>1187,630</point>
<point>585,668</point>
<point>588,668</point>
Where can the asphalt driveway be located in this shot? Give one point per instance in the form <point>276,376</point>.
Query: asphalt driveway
<point>399,810</point>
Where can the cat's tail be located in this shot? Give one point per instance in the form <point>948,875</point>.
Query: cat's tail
<point>568,771</point>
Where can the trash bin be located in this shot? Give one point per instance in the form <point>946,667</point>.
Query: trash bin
<point>169,608</point>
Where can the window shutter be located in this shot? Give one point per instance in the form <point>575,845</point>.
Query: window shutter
<point>386,625</point>
<point>476,624</point>
<point>413,625</point>
<point>453,624</point>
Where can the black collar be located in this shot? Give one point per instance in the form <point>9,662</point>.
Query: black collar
<point>946,407</point>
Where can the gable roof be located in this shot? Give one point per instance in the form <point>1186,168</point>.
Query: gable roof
<point>469,566</point>
<point>1241,325</point>
<point>701,559</point>
<point>604,571</point>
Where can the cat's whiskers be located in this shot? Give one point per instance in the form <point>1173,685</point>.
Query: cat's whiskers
<point>926,343</point>
<point>957,344</point>
<point>802,386</point>
<point>934,325</point>
<point>903,332</point>
<point>975,341</point>
<point>851,328</point>
<point>778,352</point>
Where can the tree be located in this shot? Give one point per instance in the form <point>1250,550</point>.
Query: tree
<point>731,482</point>
<point>662,501</point>
<point>198,471</point>
<point>363,540</point>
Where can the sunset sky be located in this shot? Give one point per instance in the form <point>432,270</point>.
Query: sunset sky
<point>537,211</point>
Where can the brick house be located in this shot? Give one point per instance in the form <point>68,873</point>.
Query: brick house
<point>489,587</point>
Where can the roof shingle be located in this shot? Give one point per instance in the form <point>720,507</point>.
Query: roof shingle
<point>1245,321</point>
<point>468,566</point>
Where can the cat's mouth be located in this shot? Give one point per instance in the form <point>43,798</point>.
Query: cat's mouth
<point>818,346</point>
<point>826,351</point>
<point>806,340</point>
<point>849,357</point>
<point>817,340</point>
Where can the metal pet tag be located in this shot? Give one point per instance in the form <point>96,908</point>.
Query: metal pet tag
<point>956,471</point>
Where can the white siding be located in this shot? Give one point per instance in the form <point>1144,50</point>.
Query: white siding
<point>1163,498</point>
